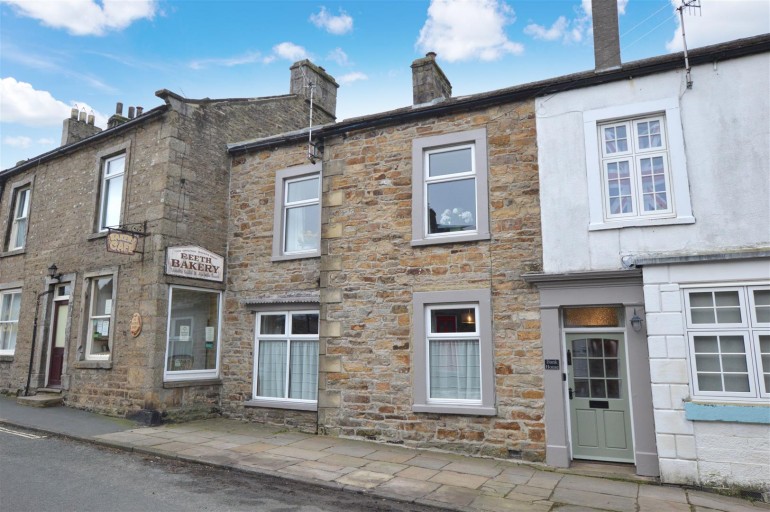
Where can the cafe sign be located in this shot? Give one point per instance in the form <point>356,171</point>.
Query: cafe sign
<point>194,262</point>
<point>121,243</point>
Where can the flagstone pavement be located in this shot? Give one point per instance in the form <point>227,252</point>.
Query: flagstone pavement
<point>427,477</point>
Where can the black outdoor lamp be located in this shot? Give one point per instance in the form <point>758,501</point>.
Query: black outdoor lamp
<point>52,272</point>
<point>636,322</point>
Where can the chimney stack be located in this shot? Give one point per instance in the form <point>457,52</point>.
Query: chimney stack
<point>429,83</point>
<point>303,73</point>
<point>78,126</point>
<point>606,36</point>
<point>117,118</point>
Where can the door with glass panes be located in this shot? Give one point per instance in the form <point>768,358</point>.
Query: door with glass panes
<point>600,416</point>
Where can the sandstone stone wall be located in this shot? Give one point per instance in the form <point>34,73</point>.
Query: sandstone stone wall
<point>369,271</point>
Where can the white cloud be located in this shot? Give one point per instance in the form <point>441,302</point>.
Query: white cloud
<point>45,141</point>
<point>337,25</point>
<point>86,17</point>
<point>339,56</point>
<point>23,104</point>
<point>17,142</point>
<point>289,51</point>
<point>557,30</point>
<point>449,32</point>
<point>238,60</point>
<point>721,21</point>
<point>572,30</point>
<point>349,78</point>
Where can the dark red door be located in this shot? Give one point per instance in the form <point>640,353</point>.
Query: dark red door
<point>58,340</point>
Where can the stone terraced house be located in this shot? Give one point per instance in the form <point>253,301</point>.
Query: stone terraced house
<point>374,278</point>
<point>137,332</point>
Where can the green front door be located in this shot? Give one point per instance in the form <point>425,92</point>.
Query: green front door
<point>598,397</point>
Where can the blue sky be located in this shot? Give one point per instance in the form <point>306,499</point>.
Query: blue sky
<point>58,53</point>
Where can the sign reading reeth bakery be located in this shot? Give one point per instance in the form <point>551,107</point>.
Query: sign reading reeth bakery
<point>195,263</point>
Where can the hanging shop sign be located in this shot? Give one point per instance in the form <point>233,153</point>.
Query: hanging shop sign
<point>195,262</point>
<point>121,243</point>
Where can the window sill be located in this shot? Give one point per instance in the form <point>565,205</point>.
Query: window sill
<point>475,237</point>
<point>191,383</point>
<point>15,252</point>
<point>289,257</point>
<point>282,404</point>
<point>471,410</point>
<point>92,365</point>
<point>97,236</point>
<point>639,223</point>
<point>6,358</point>
<point>732,413</point>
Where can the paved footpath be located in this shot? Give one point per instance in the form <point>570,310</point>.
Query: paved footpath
<point>436,478</point>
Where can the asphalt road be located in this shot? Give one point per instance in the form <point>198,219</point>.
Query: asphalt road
<point>41,474</point>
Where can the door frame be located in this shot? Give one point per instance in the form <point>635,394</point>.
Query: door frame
<point>594,288</point>
<point>57,299</point>
<point>588,331</point>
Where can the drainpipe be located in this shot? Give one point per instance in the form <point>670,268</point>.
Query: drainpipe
<point>34,336</point>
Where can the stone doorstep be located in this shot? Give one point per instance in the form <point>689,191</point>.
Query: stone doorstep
<point>41,400</point>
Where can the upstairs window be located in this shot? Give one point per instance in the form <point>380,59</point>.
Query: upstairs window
<point>635,168</point>
<point>297,217</point>
<point>111,194</point>
<point>17,237</point>
<point>450,188</point>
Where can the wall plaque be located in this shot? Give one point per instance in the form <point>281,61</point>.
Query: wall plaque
<point>136,325</point>
<point>551,364</point>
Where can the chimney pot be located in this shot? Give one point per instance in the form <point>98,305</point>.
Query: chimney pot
<point>82,116</point>
<point>74,113</point>
<point>431,55</point>
<point>119,109</point>
<point>139,111</point>
<point>91,118</point>
<point>130,112</point>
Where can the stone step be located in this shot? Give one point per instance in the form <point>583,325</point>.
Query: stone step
<point>41,400</point>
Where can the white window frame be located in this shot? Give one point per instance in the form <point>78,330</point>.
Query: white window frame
<point>678,189</point>
<point>188,375</point>
<point>16,216</point>
<point>88,292</point>
<point>283,178</point>
<point>422,148</point>
<point>425,302</point>
<point>105,179</point>
<point>747,328</point>
<point>285,402</point>
<point>3,294</point>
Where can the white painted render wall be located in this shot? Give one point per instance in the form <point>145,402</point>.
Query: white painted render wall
<point>726,134</point>
<point>713,453</point>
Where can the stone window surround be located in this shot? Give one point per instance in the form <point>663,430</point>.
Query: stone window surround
<point>29,181</point>
<point>274,403</point>
<point>422,402</point>
<point>16,286</point>
<point>750,332</point>
<point>85,314</point>
<point>281,177</point>
<point>680,185</point>
<point>199,377</point>
<point>101,157</point>
<point>476,137</point>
